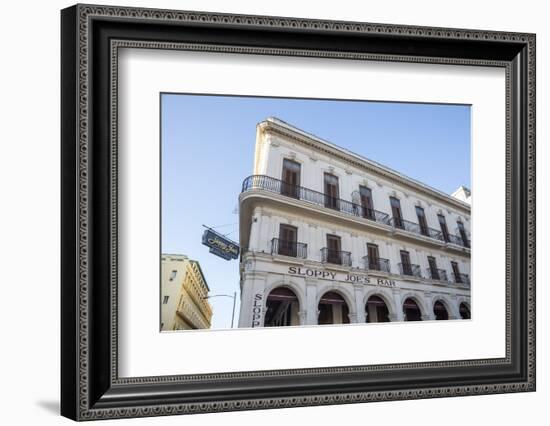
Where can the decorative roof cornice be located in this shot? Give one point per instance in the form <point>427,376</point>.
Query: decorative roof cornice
<point>286,130</point>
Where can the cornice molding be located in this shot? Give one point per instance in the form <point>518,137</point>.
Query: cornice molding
<point>318,145</point>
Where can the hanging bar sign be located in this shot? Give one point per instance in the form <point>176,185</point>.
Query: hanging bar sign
<point>219,245</point>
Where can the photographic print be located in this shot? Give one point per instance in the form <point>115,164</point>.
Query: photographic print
<point>302,212</point>
<point>265,183</point>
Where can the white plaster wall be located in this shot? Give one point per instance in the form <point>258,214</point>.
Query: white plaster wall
<point>313,233</point>
<point>313,165</point>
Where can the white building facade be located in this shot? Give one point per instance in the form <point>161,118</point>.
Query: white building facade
<point>329,237</point>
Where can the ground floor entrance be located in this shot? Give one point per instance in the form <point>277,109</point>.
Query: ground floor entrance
<point>322,297</point>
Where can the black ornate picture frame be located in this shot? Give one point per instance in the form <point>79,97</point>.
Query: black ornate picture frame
<point>91,388</point>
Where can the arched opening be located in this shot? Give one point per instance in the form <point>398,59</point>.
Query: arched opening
<point>440,311</point>
<point>333,309</point>
<point>376,309</point>
<point>464,310</point>
<point>411,311</point>
<point>282,308</point>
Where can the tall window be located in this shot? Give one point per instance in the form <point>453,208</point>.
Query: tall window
<point>331,191</point>
<point>443,225</point>
<point>291,178</point>
<point>373,257</point>
<point>406,262</point>
<point>434,273</point>
<point>366,202</point>
<point>422,220</point>
<point>396,212</point>
<point>463,235</point>
<point>165,300</point>
<point>288,236</point>
<point>456,272</point>
<point>334,254</point>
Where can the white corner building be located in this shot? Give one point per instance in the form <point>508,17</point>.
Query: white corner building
<point>330,237</point>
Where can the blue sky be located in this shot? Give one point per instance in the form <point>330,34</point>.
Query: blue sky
<point>208,150</point>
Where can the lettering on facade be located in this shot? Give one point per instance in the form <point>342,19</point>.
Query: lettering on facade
<point>257,310</point>
<point>385,283</point>
<point>308,272</point>
<point>329,275</point>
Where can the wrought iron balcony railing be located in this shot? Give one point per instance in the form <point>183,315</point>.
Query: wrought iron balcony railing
<point>416,228</point>
<point>336,257</point>
<point>288,248</point>
<point>268,183</point>
<point>461,279</point>
<point>437,274</point>
<point>410,269</point>
<point>459,241</point>
<point>377,264</point>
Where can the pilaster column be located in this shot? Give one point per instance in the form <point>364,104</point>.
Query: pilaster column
<point>255,230</point>
<point>454,312</point>
<point>429,302</point>
<point>359,291</point>
<point>253,301</point>
<point>311,302</point>
<point>397,314</point>
<point>302,314</point>
<point>428,317</point>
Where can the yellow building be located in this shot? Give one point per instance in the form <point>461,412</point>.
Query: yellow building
<point>183,295</point>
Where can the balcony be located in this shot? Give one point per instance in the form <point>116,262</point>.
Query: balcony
<point>277,186</point>
<point>415,228</point>
<point>377,264</point>
<point>270,184</point>
<point>463,279</point>
<point>289,248</point>
<point>410,270</point>
<point>335,257</point>
<point>459,241</point>
<point>437,274</point>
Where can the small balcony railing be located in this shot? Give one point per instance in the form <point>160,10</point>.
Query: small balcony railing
<point>416,228</point>
<point>377,264</point>
<point>459,241</point>
<point>268,183</point>
<point>463,279</point>
<point>336,257</point>
<point>437,274</point>
<point>410,270</point>
<point>288,248</point>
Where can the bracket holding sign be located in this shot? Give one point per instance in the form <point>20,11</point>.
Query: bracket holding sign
<point>220,245</point>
